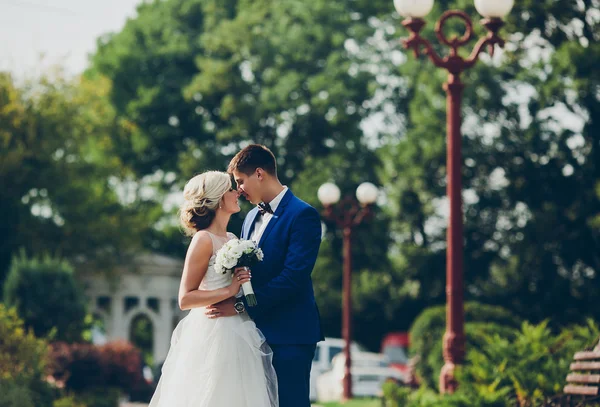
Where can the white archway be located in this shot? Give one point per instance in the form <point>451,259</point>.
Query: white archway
<point>134,317</point>
<point>148,286</point>
<point>99,336</point>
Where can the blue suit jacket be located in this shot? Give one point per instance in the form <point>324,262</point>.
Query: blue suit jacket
<point>286,312</point>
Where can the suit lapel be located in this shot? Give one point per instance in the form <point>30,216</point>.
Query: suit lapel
<point>252,218</point>
<point>280,209</point>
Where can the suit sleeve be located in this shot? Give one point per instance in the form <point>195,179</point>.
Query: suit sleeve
<point>301,256</point>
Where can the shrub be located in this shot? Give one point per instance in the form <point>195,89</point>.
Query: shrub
<point>46,296</point>
<point>532,366</point>
<point>524,367</point>
<point>96,397</point>
<point>68,401</point>
<point>426,397</point>
<point>23,363</point>
<point>15,395</point>
<point>77,365</point>
<point>22,355</point>
<point>122,365</point>
<point>100,397</point>
<point>395,395</point>
<point>84,367</point>
<point>476,338</point>
<point>428,329</point>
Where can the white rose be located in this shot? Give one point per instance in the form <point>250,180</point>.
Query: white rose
<point>230,263</point>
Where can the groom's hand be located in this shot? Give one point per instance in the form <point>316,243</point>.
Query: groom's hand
<point>221,309</point>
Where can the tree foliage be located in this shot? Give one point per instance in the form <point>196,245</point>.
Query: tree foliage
<point>47,297</point>
<point>200,78</point>
<point>62,189</point>
<point>530,151</point>
<point>23,356</point>
<point>23,364</point>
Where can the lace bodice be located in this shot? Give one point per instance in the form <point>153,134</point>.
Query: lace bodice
<point>213,280</point>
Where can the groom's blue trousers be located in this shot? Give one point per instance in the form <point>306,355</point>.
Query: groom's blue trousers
<point>292,364</point>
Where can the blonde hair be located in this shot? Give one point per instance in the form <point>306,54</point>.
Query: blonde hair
<point>202,195</point>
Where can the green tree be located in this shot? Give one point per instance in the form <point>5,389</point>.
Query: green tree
<point>142,336</point>
<point>200,78</point>
<point>530,150</point>
<point>62,188</point>
<point>47,297</point>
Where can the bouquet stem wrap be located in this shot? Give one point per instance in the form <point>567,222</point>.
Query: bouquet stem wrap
<point>249,294</point>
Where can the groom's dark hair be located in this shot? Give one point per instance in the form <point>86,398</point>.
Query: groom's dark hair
<point>252,157</point>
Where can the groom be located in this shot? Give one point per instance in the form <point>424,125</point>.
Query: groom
<point>288,231</point>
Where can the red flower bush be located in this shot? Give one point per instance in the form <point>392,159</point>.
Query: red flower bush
<point>82,366</point>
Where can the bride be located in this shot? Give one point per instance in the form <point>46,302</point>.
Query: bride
<point>213,362</point>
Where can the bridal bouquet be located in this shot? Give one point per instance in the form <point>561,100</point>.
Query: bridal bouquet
<point>239,253</point>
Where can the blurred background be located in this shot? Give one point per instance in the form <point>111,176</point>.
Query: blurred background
<point>108,108</point>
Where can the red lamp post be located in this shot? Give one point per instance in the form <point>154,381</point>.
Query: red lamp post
<point>492,11</point>
<point>346,215</point>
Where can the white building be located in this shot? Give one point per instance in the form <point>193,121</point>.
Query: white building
<point>147,288</point>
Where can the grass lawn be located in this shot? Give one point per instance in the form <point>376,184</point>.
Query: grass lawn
<point>354,403</point>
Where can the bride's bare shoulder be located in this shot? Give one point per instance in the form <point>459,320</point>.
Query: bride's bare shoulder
<point>201,241</point>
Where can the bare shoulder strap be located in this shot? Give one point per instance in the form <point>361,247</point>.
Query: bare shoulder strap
<point>215,243</point>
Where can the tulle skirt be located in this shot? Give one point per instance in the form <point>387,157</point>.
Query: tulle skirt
<point>223,362</point>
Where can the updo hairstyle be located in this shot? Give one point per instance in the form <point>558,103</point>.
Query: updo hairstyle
<point>202,197</point>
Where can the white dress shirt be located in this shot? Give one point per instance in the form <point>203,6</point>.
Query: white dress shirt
<point>262,221</point>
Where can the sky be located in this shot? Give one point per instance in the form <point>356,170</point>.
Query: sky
<point>37,34</point>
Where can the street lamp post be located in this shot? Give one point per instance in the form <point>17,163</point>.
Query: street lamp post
<point>346,215</point>
<point>492,11</point>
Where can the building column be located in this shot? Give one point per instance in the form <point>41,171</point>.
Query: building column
<point>118,330</point>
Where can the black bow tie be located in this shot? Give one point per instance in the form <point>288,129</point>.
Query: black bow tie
<point>264,207</point>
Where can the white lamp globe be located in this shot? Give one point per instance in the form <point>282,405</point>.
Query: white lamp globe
<point>329,193</point>
<point>413,8</point>
<point>367,193</point>
<point>494,8</point>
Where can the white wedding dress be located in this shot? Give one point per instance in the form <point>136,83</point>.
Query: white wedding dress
<point>222,362</point>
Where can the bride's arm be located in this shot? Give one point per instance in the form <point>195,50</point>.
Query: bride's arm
<point>194,270</point>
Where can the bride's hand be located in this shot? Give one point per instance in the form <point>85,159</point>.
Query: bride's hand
<point>241,275</point>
